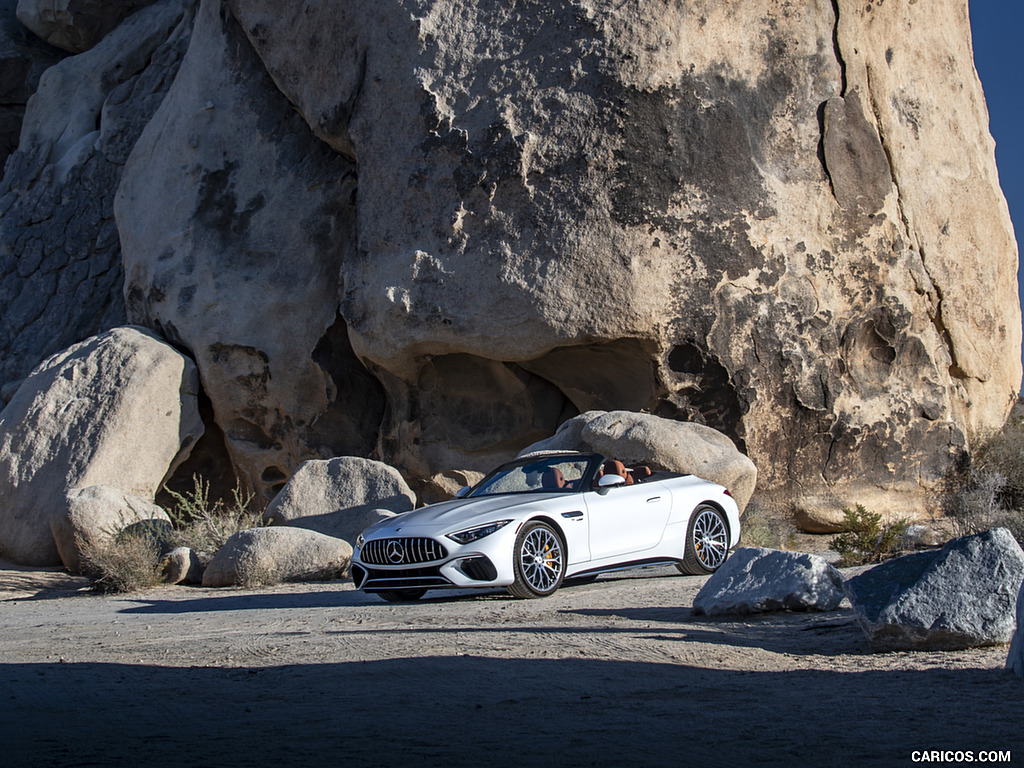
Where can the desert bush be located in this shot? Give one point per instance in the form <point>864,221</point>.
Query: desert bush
<point>865,539</point>
<point>204,526</point>
<point>986,489</point>
<point>129,560</point>
<point>125,562</point>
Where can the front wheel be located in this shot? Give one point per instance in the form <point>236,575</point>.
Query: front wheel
<point>402,595</point>
<point>707,541</point>
<point>539,561</point>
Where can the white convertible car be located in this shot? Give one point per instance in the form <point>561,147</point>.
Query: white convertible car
<point>536,521</point>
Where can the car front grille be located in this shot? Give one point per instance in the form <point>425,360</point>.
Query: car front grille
<point>402,551</point>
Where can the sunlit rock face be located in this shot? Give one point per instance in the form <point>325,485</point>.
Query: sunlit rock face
<point>782,220</point>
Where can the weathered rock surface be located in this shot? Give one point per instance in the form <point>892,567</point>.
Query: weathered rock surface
<point>961,596</point>
<point>61,278</point>
<point>233,248</point>
<point>275,554</point>
<point>755,580</point>
<point>117,410</point>
<point>23,58</point>
<point>640,438</point>
<point>95,515</point>
<point>75,25</point>
<point>475,220</point>
<point>340,497</point>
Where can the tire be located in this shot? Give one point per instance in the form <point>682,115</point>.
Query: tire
<point>538,560</point>
<point>707,541</point>
<point>402,595</point>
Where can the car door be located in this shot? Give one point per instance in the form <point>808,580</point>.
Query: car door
<point>626,520</point>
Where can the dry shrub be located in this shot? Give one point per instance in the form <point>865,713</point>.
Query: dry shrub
<point>125,562</point>
<point>129,560</point>
<point>986,490</point>
<point>204,526</point>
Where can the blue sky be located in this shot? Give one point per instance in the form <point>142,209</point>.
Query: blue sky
<point>996,29</point>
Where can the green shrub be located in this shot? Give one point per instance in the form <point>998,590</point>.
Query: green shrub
<point>865,539</point>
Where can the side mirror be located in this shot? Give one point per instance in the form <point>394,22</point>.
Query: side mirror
<point>610,481</point>
<point>463,492</point>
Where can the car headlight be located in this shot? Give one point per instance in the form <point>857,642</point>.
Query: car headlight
<point>360,541</point>
<point>473,534</point>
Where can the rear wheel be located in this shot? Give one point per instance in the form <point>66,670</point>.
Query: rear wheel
<point>539,561</point>
<point>402,595</point>
<point>707,541</point>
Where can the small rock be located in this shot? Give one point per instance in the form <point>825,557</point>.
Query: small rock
<point>758,580</point>
<point>181,565</point>
<point>96,514</point>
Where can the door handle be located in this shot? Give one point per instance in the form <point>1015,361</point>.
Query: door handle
<point>653,499</point>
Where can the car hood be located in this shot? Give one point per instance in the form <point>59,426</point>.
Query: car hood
<point>456,514</point>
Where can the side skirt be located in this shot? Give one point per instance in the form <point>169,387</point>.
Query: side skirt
<point>628,566</point>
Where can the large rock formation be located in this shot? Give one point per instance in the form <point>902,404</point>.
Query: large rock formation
<point>233,247</point>
<point>61,278</point>
<point>435,231</point>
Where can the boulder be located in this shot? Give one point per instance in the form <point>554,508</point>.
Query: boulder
<point>234,221</point>
<point>961,596</point>
<point>117,410</point>
<point>95,515</point>
<point>340,497</point>
<point>1015,657</point>
<point>755,580</point>
<point>181,566</point>
<point>640,438</point>
<point>276,554</point>
<point>445,485</point>
<point>75,25</point>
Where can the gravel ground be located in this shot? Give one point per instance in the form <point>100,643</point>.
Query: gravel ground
<point>616,672</point>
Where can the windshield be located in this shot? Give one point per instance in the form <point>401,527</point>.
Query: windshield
<point>551,474</point>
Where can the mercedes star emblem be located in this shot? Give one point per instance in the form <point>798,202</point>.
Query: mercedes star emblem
<point>394,551</point>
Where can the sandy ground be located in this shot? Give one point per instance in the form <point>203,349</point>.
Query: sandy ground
<point>614,673</point>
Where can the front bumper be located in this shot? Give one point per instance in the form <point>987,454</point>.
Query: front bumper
<point>474,571</point>
<point>483,563</point>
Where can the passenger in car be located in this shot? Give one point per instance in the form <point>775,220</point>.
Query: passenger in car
<point>632,476</point>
